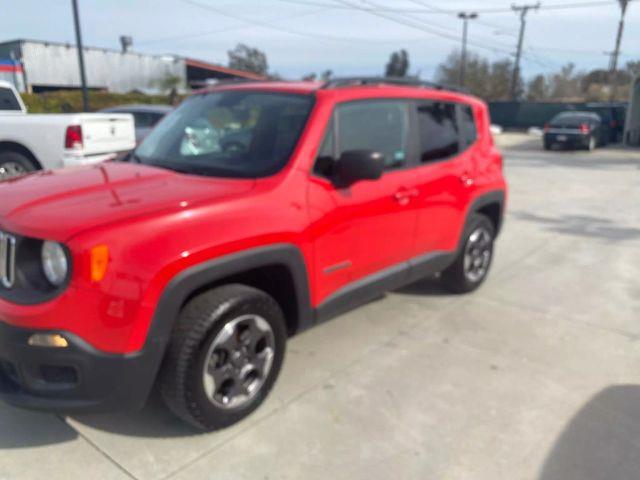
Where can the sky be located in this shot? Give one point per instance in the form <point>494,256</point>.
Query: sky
<point>303,36</point>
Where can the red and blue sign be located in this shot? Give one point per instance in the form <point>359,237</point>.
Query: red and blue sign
<point>10,66</point>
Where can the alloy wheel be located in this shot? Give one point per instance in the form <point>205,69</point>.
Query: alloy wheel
<point>238,361</point>
<point>477,254</point>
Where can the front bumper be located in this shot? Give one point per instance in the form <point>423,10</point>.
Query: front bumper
<point>75,379</point>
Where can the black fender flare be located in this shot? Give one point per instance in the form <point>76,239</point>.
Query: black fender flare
<point>489,198</point>
<point>185,283</point>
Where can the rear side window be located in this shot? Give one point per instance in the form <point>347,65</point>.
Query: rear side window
<point>468,127</point>
<point>439,131</point>
<point>381,126</point>
<point>8,100</point>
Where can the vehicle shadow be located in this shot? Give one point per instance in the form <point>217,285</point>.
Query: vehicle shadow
<point>153,421</point>
<point>24,429</point>
<point>601,442</point>
<point>430,286</point>
<point>582,225</point>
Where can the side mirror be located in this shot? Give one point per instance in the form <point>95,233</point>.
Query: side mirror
<point>356,165</point>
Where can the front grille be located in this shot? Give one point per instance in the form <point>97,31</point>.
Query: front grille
<point>7,259</point>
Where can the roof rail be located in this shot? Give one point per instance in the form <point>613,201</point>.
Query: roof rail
<point>406,81</point>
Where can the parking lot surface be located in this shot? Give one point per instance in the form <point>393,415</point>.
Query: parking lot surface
<point>534,376</point>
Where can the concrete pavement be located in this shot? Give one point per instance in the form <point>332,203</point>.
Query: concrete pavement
<point>534,376</point>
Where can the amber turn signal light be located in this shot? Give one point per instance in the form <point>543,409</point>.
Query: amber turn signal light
<point>99,262</point>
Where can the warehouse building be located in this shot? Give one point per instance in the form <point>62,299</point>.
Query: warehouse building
<point>37,66</point>
<point>632,129</point>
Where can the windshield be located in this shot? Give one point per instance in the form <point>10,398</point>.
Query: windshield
<point>245,134</point>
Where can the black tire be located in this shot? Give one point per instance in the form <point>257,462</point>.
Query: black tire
<point>14,164</point>
<point>547,146</point>
<point>200,321</point>
<point>455,278</point>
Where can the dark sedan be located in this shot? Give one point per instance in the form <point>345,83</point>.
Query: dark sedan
<point>578,130</point>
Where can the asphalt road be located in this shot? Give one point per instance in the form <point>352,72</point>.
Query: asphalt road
<point>534,376</point>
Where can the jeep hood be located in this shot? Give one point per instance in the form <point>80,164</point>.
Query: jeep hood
<point>57,205</point>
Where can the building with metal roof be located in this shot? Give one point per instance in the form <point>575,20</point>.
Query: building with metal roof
<point>38,66</point>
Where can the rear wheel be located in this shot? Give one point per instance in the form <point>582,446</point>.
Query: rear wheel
<point>474,259</point>
<point>14,164</point>
<point>224,356</point>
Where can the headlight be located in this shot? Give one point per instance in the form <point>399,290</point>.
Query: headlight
<point>54,263</point>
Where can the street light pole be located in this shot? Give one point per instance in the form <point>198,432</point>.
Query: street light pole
<point>465,16</point>
<point>83,77</point>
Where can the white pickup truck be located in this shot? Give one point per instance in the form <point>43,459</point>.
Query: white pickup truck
<point>50,141</point>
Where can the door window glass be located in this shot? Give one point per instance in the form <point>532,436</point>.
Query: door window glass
<point>381,126</point>
<point>439,134</point>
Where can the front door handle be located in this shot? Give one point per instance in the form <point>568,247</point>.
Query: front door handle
<point>404,196</point>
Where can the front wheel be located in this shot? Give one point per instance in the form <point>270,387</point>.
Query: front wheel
<point>224,356</point>
<point>472,264</point>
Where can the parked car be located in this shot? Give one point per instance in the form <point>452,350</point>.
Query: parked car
<point>575,130</point>
<point>613,117</point>
<point>189,265</point>
<point>145,117</point>
<point>48,141</point>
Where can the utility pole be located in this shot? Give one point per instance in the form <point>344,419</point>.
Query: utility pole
<point>83,77</point>
<point>522,10</point>
<point>465,16</point>
<point>613,66</point>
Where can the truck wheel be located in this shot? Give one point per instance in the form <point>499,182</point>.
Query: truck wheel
<point>472,264</point>
<point>224,356</point>
<point>13,164</point>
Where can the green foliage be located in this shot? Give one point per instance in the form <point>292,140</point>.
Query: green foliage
<point>70,101</point>
<point>398,64</point>
<point>248,59</point>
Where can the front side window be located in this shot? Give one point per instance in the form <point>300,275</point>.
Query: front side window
<point>8,100</point>
<point>438,129</point>
<point>243,134</point>
<point>381,126</point>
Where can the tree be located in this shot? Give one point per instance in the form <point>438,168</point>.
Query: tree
<point>483,78</point>
<point>248,59</point>
<point>537,89</point>
<point>633,68</point>
<point>566,85</point>
<point>398,64</point>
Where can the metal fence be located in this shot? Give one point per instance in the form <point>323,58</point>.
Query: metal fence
<point>525,115</point>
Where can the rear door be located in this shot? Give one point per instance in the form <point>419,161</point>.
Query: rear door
<point>107,132</point>
<point>370,225</point>
<point>445,174</point>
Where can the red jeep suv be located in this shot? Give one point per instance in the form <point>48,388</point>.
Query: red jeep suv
<point>250,213</point>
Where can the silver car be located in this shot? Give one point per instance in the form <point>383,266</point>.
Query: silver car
<point>145,116</point>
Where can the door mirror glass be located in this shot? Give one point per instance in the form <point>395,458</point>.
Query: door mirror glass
<point>356,165</point>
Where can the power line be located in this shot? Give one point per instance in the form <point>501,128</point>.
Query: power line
<point>228,29</point>
<point>380,9</point>
<point>278,28</point>
<point>417,25</point>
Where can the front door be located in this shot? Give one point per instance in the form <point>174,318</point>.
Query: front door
<point>369,226</point>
